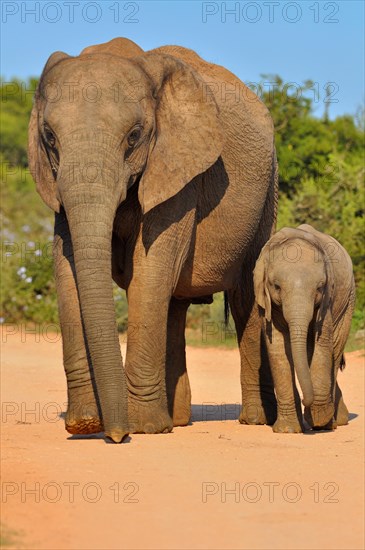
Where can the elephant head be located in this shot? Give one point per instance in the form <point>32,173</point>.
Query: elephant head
<point>103,121</point>
<point>294,275</point>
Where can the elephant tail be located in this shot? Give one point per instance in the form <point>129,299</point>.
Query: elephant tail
<point>342,362</point>
<point>226,309</point>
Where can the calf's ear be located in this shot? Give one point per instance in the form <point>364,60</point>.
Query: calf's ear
<point>262,293</point>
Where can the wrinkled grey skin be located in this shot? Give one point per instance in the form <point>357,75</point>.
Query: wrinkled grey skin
<point>167,183</point>
<point>304,284</point>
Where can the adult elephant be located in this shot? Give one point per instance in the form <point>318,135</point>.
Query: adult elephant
<point>162,171</point>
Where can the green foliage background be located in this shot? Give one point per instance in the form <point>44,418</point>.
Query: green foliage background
<point>321,167</point>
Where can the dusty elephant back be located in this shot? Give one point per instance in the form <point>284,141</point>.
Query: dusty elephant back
<point>122,47</point>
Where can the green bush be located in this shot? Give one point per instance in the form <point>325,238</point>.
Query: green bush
<point>321,172</point>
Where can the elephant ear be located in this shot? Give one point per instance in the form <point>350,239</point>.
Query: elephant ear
<point>39,165</point>
<point>327,299</point>
<point>312,236</point>
<point>262,294</point>
<point>189,135</point>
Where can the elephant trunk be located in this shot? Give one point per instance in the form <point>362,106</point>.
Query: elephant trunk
<point>90,210</point>
<point>298,330</point>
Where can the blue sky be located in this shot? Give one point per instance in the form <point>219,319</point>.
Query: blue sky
<point>320,40</point>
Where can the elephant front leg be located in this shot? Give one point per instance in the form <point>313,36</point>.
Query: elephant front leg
<point>159,254</point>
<point>82,416</point>
<point>258,398</point>
<point>177,380</point>
<point>321,414</point>
<point>289,419</point>
<point>146,360</point>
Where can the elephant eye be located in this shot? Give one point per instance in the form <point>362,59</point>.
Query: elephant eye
<point>49,141</point>
<point>277,287</point>
<point>320,287</point>
<point>134,137</point>
<point>49,136</point>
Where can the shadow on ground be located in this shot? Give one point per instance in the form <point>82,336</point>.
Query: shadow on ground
<point>209,412</point>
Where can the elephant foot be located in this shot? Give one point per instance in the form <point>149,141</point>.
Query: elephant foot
<point>253,413</point>
<point>330,426</point>
<point>285,425</point>
<point>181,416</point>
<point>148,418</point>
<point>83,419</point>
<point>342,414</point>
<point>320,416</point>
<point>179,401</point>
<point>270,407</point>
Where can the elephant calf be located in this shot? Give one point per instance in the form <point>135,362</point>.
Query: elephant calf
<point>305,288</point>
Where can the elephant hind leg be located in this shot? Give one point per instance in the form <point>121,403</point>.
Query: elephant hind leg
<point>341,411</point>
<point>177,380</point>
<point>341,336</point>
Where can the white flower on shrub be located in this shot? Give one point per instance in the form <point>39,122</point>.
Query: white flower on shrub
<point>26,228</point>
<point>29,279</point>
<point>38,252</point>
<point>39,296</point>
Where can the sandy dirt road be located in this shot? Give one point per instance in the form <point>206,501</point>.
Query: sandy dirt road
<point>214,484</point>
